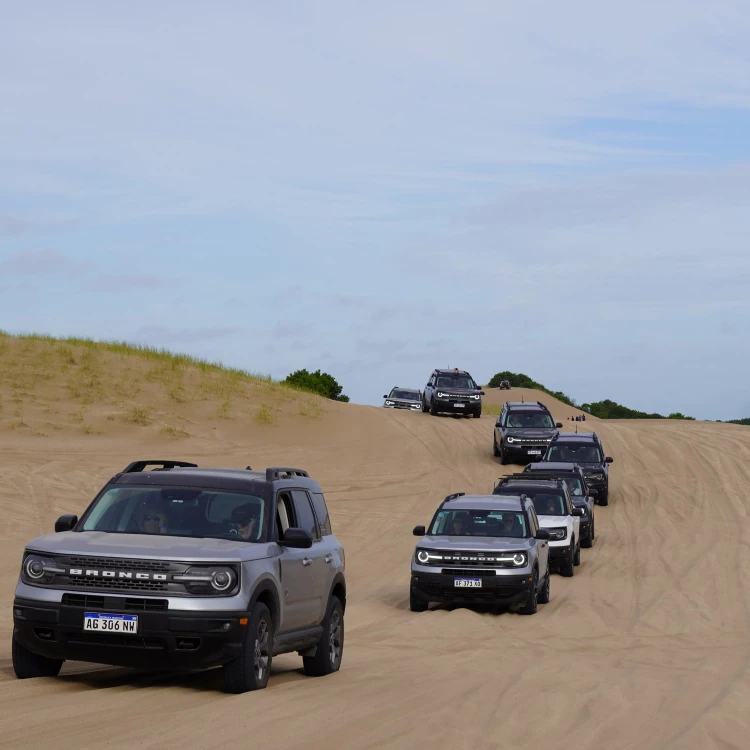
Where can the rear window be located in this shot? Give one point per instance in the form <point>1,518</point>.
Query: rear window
<point>575,453</point>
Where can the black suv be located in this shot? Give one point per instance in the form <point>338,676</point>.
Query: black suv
<point>523,431</point>
<point>452,391</point>
<point>584,449</point>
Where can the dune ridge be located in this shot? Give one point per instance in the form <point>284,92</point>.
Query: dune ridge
<point>647,646</point>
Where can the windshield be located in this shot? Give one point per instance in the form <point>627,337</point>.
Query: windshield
<point>530,419</point>
<point>456,381</point>
<point>179,511</point>
<point>495,523</point>
<point>583,453</point>
<point>574,485</point>
<point>548,504</point>
<point>401,393</point>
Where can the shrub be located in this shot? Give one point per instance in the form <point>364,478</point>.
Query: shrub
<point>317,382</point>
<point>519,380</point>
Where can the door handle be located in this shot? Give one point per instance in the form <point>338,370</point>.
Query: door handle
<point>329,558</point>
<point>306,561</point>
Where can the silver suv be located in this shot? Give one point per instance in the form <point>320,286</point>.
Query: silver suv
<point>180,566</point>
<point>481,549</point>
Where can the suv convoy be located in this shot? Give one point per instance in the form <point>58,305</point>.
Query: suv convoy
<point>403,398</point>
<point>452,391</point>
<point>523,431</point>
<point>554,508</point>
<point>580,494</point>
<point>481,549</point>
<point>504,385</point>
<point>181,566</point>
<point>584,449</point>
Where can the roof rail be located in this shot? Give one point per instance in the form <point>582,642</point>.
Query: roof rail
<point>276,472</point>
<point>453,496</point>
<point>165,465</point>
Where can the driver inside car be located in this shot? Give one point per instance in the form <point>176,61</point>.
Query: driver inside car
<point>245,520</point>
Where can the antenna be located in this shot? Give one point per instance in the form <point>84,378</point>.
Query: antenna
<point>522,398</point>
<point>576,428</point>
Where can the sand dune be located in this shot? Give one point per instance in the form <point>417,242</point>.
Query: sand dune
<point>647,646</point>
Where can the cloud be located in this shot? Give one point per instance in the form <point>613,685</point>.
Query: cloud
<point>42,263</point>
<point>11,226</point>
<point>112,282</point>
<point>290,330</point>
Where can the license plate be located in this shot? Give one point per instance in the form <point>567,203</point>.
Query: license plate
<point>101,623</point>
<point>459,406</point>
<point>467,583</point>
<point>534,452</point>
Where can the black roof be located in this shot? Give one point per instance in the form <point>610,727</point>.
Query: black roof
<point>576,437</point>
<point>526,405</point>
<point>450,371</point>
<point>518,484</point>
<point>562,467</point>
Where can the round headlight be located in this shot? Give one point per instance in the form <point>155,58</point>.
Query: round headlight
<point>221,580</point>
<point>510,439</point>
<point>34,568</point>
<point>519,559</point>
<point>423,556</point>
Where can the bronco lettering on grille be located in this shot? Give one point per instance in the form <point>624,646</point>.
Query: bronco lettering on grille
<point>119,574</point>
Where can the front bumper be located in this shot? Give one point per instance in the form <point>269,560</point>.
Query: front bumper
<point>559,552</point>
<point>164,640</point>
<point>519,450</point>
<point>498,589</point>
<point>458,407</point>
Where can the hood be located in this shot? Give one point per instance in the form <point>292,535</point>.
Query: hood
<point>550,522</point>
<point>592,466</point>
<point>149,547</point>
<point>473,543</point>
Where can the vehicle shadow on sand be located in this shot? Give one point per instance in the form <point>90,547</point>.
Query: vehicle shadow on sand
<point>397,600</point>
<point>99,677</point>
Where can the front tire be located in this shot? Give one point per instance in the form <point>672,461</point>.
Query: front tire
<point>567,565</point>
<point>589,541</point>
<point>495,450</point>
<point>27,664</point>
<point>543,597</point>
<point>250,670</point>
<point>433,408</point>
<point>530,607</point>
<point>577,555</point>
<point>415,604</point>
<point>330,649</point>
<point>477,414</point>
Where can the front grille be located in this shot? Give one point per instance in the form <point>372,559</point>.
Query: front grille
<point>157,566</point>
<point>406,406</point>
<point>469,573</point>
<point>116,585</point>
<point>90,601</point>
<point>468,559</point>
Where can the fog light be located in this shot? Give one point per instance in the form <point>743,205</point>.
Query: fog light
<point>226,626</point>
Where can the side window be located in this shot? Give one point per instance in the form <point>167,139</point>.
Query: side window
<point>305,515</point>
<point>284,514</point>
<point>321,511</point>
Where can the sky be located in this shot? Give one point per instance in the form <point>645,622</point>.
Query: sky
<point>379,189</point>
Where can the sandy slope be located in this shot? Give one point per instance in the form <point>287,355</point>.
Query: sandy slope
<point>646,647</point>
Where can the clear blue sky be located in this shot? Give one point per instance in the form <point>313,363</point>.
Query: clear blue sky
<point>379,189</point>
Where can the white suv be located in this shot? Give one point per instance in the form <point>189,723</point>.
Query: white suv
<point>556,513</point>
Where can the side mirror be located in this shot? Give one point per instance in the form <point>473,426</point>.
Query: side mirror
<point>541,534</point>
<point>577,511</point>
<point>66,522</point>
<point>385,396</point>
<point>296,539</point>
<point>608,460</point>
<point>593,492</point>
<point>419,531</point>
<point>558,425</point>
